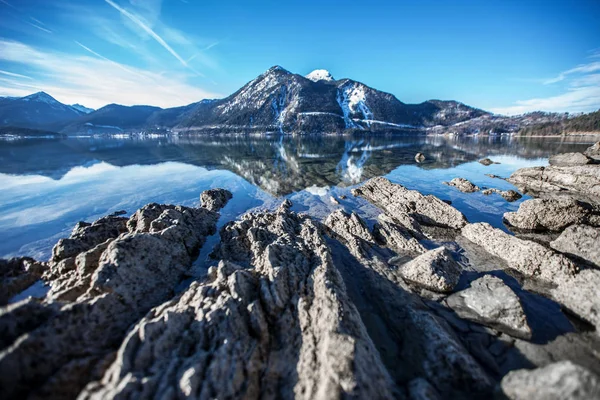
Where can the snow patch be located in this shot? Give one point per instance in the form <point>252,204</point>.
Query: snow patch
<point>320,75</point>
<point>352,99</point>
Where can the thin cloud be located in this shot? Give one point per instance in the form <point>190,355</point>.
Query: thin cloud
<point>39,27</point>
<point>93,80</point>
<point>584,68</point>
<point>14,75</point>
<point>148,30</point>
<point>8,4</point>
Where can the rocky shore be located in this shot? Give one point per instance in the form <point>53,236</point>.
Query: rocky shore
<point>419,304</point>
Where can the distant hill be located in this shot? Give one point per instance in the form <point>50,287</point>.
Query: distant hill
<point>36,111</point>
<point>11,131</point>
<point>581,124</point>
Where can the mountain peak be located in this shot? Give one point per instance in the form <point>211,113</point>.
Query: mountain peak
<point>320,75</point>
<point>277,68</point>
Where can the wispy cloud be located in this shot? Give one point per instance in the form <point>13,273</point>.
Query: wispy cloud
<point>581,93</point>
<point>14,75</point>
<point>39,27</point>
<point>136,20</point>
<point>93,80</point>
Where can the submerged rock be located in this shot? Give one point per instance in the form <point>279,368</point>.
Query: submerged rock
<point>580,240</point>
<point>96,295</point>
<point>398,201</point>
<point>552,214</point>
<point>215,199</point>
<point>489,301</point>
<point>435,270</point>
<point>558,381</point>
<point>508,195</point>
<point>569,159</point>
<point>463,185</point>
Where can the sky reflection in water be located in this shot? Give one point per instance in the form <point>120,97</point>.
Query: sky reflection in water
<point>47,186</point>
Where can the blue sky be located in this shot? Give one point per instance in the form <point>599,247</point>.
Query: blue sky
<point>505,56</point>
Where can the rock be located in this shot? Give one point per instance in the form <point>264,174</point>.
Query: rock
<point>421,389</point>
<point>557,381</point>
<point>334,200</point>
<point>215,199</point>
<point>16,275</point>
<point>343,196</point>
<point>489,301</point>
<point>283,327</point>
<point>96,296</point>
<point>493,176</point>
<point>420,157</point>
<point>593,151</point>
<point>398,201</point>
<point>463,185</point>
<point>118,213</point>
<point>347,225</point>
<point>552,214</point>
<point>508,195</point>
<point>529,258</point>
<point>580,240</point>
<point>435,270</point>
<point>487,162</point>
<point>86,235</point>
<point>397,237</point>
<point>569,159</point>
<point>580,295</point>
<point>578,181</point>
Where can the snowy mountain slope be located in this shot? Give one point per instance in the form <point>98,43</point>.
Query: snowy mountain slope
<point>320,75</point>
<point>36,111</point>
<point>83,109</point>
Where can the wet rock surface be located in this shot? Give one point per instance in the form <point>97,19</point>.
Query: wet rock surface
<point>215,199</point>
<point>463,185</point>
<point>489,301</point>
<point>561,380</point>
<point>508,195</point>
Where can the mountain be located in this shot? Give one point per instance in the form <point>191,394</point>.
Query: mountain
<point>83,109</point>
<point>277,101</point>
<point>587,123</point>
<point>36,111</point>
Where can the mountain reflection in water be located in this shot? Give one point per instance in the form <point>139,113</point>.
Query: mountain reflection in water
<point>49,185</point>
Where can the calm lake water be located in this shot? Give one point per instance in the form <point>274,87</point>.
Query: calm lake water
<point>47,186</point>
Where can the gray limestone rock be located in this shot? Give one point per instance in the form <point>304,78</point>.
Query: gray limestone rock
<point>215,199</point>
<point>508,195</point>
<point>559,381</point>
<point>593,151</point>
<point>552,214</point>
<point>463,185</point>
<point>569,159</point>
<point>435,270</point>
<point>489,301</point>
<point>580,240</point>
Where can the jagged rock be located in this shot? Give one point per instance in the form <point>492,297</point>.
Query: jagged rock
<point>569,159</point>
<point>345,224</point>
<point>282,328</point>
<point>463,185</point>
<point>593,151</point>
<point>397,201</point>
<point>552,214</point>
<point>86,235</point>
<point>508,195</point>
<point>98,295</point>
<point>529,258</point>
<point>215,199</point>
<point>487,162</point>
<point>16,275</point>
<point>558,381</point>
<point>489,301</point>
<point>580,240</point>
<point>397,237</point>
<point>578,181</point>
<point>420,157</point>
<point>435,270</point>
<point>580,295</point>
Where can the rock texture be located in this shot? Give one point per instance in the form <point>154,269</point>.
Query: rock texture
<point>580,240</point>
<point>487,162</point>
<point>435,270</point>
<point>463,185</point>
<point>420,157</point>
<point>593,151</point>
<point>569,159</point>
<point>398,201</point>
<point>215,199</point>
<point>104,278</point>
<point>552,214</point>
<point>489,301</point>
<point>16,275</point>
<point>558,381</point>
<point>508,195</point>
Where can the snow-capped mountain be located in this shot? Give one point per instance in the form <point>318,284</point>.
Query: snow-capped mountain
<point>83,109</point>
<point>36,111</point>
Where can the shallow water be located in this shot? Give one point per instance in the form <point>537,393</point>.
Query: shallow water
<point>47,186</point>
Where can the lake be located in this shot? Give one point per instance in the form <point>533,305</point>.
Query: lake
<point>48,185</point>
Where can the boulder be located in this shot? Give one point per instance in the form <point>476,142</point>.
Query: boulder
<point>508,195</point>
<point>582,241</point>
<point>569,159</point>
<point>487,162</point>
<point>552,214</point>
<point>463,185</point>
<point>397,237</point>
<point>420,157</point>
<point>558,381</point>
<point>489,301</point>
<point>397,201</point>
<point>215,199</point>
<point>435,270</point>
<point>593,151</point>
<point>16,275</point>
